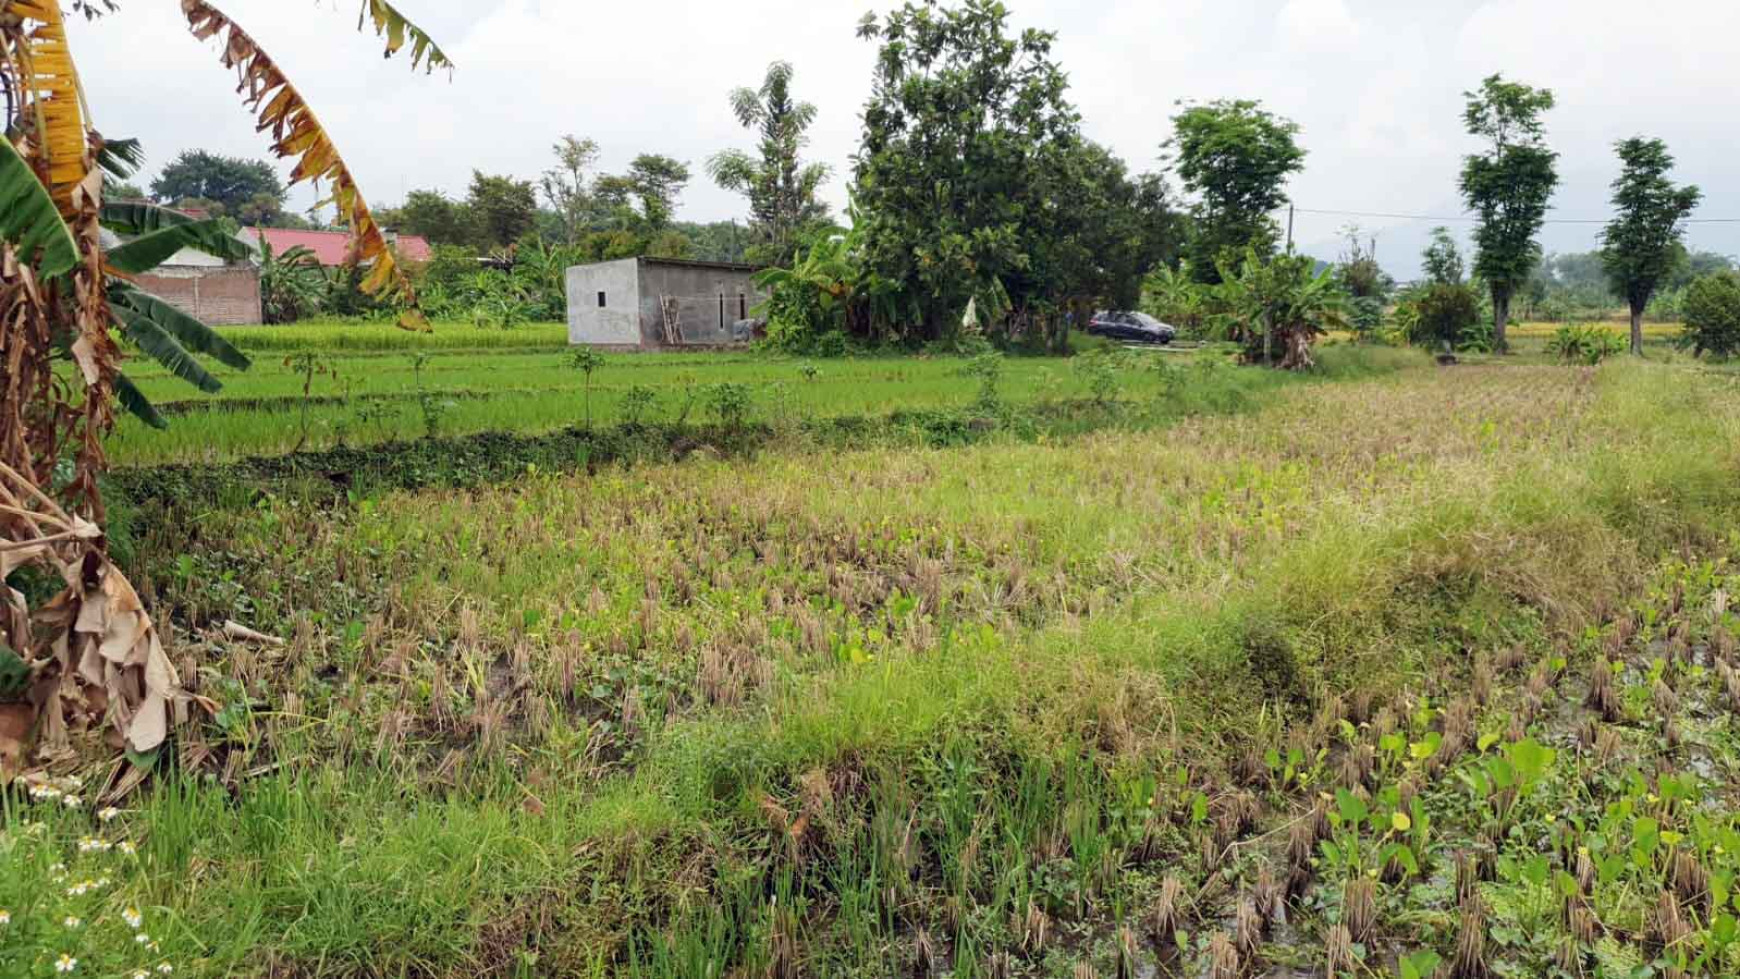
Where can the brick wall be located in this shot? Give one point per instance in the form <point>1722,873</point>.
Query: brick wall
<point>217,296</point>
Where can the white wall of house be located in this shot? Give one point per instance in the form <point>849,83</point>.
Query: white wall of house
<point>604,304</point>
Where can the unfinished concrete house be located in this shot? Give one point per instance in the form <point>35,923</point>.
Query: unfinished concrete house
<point>661,304</point>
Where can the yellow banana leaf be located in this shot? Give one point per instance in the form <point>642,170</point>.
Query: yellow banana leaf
<point>56,101</point>
<point>298,135</point>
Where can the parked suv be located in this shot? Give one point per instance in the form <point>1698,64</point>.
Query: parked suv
<point>1132,327</point>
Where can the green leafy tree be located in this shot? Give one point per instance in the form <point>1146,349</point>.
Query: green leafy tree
<point>432,215</point>
<point>1712,311</point>
<point>964,129</point>
<point>1508,186</point>
<point>1235,156</point>
<point>780,187</point>
<point>656,182</point>
<point>501,209</point>
<point>567,185</point>
<point>1441,262</point>
<point>248,190</point>
<point>1642,243</point>
<point>1101,232</point>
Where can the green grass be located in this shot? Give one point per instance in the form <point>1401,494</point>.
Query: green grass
<point>814,712</point>
<point>363,336</point>
<point>362,395</point>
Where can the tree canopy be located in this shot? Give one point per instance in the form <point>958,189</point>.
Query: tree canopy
<point>1642,243</point>
<point>656,181</point>
<point>973,181</point>
<point>1235,156</point>
<point>1507,186</point>
<point>501,209</point>
<point>248,191</point>
<point>567,185</point>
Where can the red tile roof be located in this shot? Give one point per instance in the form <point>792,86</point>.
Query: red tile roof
<point>333,247</point>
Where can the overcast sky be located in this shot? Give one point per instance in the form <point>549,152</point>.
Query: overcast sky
<point>1375,84</point>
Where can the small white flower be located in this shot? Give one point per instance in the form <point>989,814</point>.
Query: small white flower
<point>65,963</point>
<point>71,801</point>
<point>132,917</point>
<point>108,814</point>
<point>165,968</point>
<point>141,974</point>
<point>101,882</point>
<point>127,847</point>
<point>141,938</point>
<point>72,921</point>
<point>5,917</point>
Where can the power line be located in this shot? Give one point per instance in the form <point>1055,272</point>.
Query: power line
<point>1467,218</point>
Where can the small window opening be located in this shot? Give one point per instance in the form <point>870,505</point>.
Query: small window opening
<point>601,300</point>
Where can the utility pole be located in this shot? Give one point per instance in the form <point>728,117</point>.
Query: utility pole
<point>1289,227</point>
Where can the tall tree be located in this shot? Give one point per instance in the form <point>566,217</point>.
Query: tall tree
<point>1236,157</point>
<point>1508,186</point>
<point>501,208</point>
<point>1642,243</point>
<point>566,185</point>
<point>246,190</point>
<point>781,189</point>
<point>657,181</point>
<point>963,125</point>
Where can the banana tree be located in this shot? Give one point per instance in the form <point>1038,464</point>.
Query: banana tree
<point>1278,301</point>
<point>97,670</point>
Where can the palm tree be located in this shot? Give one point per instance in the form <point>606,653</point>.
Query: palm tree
<point>781,189</point>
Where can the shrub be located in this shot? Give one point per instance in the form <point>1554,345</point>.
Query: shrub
<point>1440,313</point>
<point>1477,337</point>
<point>1585,344</point>
<point>730,403</point>
<point>988,368</point>
<point>1366,314</point>
<point>1712,311</point>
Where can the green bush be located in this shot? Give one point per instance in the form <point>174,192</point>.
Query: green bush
<point>1585,344</point>
<point>1440,314</point>
<point>1366,314</point>
<point>1712,311</point>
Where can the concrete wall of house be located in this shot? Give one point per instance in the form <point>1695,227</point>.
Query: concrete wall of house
<point>708,301</point>
<point>604,304</point>
<point>222,295</point>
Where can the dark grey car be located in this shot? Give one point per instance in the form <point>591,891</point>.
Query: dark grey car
<point>1131,327</point>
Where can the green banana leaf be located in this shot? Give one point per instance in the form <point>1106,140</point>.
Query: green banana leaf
<point>29,219</point>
